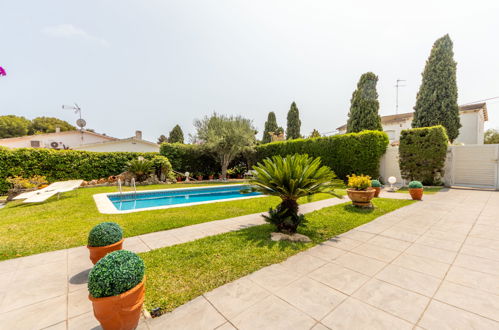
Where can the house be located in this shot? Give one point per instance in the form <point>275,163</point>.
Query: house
<point>81,140</point>
<point>473,118</point>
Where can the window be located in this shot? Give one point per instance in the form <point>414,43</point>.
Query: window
<point>35,144</point>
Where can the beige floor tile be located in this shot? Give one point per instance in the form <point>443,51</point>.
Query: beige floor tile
<point>401,233</point>
<point>473,279</point>
<point>196,314</point>
<point>303,263</point>
<point>273,277</point>
<point>479,302</point>
<point>439,243</point>
<point>376,252</point>
<point>389,243</point>
<point>339,278</point>
<point>479,264</point>
<point>343,243</point>
<point>374,227</point>
<point>78,303</point>
<point>411,280</point>
<point>135,244</point>
<point>445,235</point>
<point>361,264</point>
<point>326,252</point>
<point>273,314</point>
<point>233,298</point>
<point>441,316</point>
<point>84,321</point>
<point>484,231</point>
<point>353,314</point>
<point>358,235</point>
<point>59,257</point>
<point>9,266</point>
<point>320,326</point>
<point>421,264</point>
<point>480,251</point>
<point>392,299</point>
<point>429,252</point>
<point>482,242</point>
<point>36,316</point>
<point>226,326</point>
<point>59,326</point>
<point>312,297</point>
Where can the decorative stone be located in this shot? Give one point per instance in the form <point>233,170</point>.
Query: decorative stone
<point>293,238</point>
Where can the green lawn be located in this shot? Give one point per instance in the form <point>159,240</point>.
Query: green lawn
<point>426,190</point>
<point>63,223</point>
<point>182,272</point>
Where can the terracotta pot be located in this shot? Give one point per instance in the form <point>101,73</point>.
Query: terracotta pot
<point>200,178</point>
<point>361,198</point>
<point>377,190</point>
<point>416,193</point>
<point>239,176</point>
<point>99,252</point>
<point>211,177</point>
<point>179,179</point>
<point>121,312</point>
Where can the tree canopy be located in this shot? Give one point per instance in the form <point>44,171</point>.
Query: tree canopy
<point>176,135</point>
<point>48,125</point>
<point>270,128</point>
<point>364,106</point>
<point>225,136</point>
<point>162,139</point>
<point>294,123</point>
<point>436,101</point>
<point>13,126</point>
<point>491,136</point>
<point>315,133</point>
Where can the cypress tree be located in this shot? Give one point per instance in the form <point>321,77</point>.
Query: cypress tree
<point>162,139</point>
<point>294,123</point>
<point>176,135</point>
<point>270,127</point>
<point>364,106</point>
<point>436,102</point>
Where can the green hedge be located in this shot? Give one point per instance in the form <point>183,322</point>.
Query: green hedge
<point>422,154</point>
<point>58,165</point>
<point>358,153</point>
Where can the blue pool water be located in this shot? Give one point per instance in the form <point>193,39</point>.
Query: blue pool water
<point>173,197</point>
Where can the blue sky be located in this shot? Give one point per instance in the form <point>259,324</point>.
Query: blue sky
<point>150,65</point>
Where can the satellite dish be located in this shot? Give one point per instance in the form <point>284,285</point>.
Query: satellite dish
<point>81,123</point>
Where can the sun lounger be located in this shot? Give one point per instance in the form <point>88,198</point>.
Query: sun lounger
<point>49,191</point>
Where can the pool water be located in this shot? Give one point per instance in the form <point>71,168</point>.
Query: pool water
<point>147,199</point>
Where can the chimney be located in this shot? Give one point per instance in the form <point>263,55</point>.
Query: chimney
<point>58,130</point>
<point>138,135</point>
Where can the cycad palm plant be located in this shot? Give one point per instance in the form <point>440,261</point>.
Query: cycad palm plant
<point>290,178</point>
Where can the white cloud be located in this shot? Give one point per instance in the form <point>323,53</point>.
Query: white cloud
<point>71,31</point>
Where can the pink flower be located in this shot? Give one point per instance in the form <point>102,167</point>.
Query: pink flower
<point>2,72</point>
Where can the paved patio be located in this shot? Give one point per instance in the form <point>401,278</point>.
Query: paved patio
<point>431,265</point>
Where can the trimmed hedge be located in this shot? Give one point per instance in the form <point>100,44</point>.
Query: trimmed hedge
<point>422,153</point>
<point>105,233</point>
<point>358,153</point>
<point>116,273</point>
<point>58,165</point>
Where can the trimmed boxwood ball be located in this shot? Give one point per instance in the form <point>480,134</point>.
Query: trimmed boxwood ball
<point>415,184</point>
<point>105,233</point>
<point>375,184</point>
<point>116,273</point>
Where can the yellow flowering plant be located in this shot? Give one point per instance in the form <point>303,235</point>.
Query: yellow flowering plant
<point>359,182</point>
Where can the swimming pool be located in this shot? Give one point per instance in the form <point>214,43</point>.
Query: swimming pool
<point>167,198</point>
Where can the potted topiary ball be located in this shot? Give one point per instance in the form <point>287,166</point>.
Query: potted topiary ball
<point>416,190</point>
<point>360,190</point>
<point>104,238</point>
<point>376,186</point>
<point>116,287</point>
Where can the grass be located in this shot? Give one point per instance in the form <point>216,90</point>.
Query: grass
<point>426,190</point>
<point>64,223</point>
<point>180,273</point>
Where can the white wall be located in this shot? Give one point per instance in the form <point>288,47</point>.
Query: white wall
<point>122,145</point>
<point>67,139</point>
<point>389,166</point>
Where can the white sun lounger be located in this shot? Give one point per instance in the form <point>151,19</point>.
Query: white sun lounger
<point>51,190</point>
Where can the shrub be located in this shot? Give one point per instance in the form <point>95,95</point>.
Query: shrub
<point>290,178</point>
<point>57,165</point>
<point>19,182</point>
<point>140,167</point>
<point>375,183</point>
<point>422,154</point>
<point>162,168</point>
<point>344,154</point>
<point>359,182</point>
<point>116,273</point>
<point>105,233</point>
<point>415,184</point>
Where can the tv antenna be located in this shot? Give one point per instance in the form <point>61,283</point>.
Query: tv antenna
<point>80,122</point>
<point>397,97</point>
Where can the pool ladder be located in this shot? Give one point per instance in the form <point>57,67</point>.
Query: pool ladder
<point>132,183</point>
<point>120,189</point>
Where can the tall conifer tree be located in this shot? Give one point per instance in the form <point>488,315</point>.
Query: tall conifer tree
<point>294,123</point>
<point>176,135</point>
<point>270,127</point>
<point>436,102</point>
<point>364,106</point>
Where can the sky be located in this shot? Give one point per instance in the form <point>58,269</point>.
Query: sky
<point>149,64</point>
